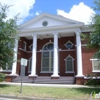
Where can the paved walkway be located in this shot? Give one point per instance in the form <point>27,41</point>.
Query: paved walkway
<point>50,85</point>
<point>7,99</point>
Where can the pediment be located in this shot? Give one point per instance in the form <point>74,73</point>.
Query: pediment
<point>46,20</point>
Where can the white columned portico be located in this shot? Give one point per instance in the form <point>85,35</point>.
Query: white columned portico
<point>79,55</point>
<point>55,60</point>
<point>14,65</point>
<point>33,69</point>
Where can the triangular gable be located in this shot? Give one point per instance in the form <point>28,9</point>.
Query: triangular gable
<point>50,20</point>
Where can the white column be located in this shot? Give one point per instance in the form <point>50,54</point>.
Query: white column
<point>33,69</point>
<point>14,65</point>
<point>55,60</point>
<point>79,54</point>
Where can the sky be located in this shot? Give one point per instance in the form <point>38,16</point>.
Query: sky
<point>79,10</point>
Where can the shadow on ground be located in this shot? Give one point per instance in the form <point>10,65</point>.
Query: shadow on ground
<point>87,90</point>
<point>4,85</point>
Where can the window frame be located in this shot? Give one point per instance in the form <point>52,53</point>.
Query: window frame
<point>67,43</point>
<point>66,71</point>
<point>50,57</point>
<point>6,70</point>
<point>93,69</point>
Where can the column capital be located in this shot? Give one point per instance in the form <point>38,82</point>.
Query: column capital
<point>55,33</point>
<point>34,34</point>
<point>77,32</point>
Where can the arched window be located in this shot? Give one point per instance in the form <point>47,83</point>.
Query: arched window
<point>47,57</point>
<point>69,64</point>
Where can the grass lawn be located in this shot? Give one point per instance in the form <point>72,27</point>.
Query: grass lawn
<point>49,92</point>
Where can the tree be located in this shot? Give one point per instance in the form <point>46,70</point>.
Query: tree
<point>94,37</point>
<point>8,34</point>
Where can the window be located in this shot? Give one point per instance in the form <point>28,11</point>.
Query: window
<point>68,45</point>
<point>47,58</point>
<point>45,23</point>
<point>7,68</point>
<point>95,65</point>
<point>69,64</point>
<point>24,46</point>
<point>11,45</point>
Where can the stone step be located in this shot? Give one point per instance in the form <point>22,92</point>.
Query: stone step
<point>45,79</point>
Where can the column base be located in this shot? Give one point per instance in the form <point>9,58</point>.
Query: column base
<point>79,80</point>
<point>9,78</point>
<point>14,75</point>
<point>32,76</point>
<point>55,76</point>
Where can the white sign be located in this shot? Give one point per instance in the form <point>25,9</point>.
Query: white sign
<point>23,62</point>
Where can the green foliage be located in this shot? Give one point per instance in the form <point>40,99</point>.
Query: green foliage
<point>97,7</point>
<point>94,37</point>
<point>8,34</point>
<point>93,82</point>
<point>2,77</point>
<point>93,79</point>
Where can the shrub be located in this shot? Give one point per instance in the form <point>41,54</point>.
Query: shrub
<point>93,82</point>
<point>2,77</point>
<point>93,79</point>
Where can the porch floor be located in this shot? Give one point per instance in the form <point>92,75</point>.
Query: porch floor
<point>45,80</point>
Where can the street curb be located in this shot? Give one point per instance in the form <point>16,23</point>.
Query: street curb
<point>29,98</point>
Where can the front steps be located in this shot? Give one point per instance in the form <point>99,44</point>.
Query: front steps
<point>45,80</point>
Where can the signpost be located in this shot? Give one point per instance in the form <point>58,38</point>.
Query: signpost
<point>23,64</point>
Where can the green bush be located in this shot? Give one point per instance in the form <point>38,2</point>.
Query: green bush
<point>93,82</point>
<point>2,77</point>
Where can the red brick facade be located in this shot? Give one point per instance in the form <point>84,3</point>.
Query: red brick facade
<point>86,56</point>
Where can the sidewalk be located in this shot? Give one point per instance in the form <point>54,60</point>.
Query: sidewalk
<point>50,85</point>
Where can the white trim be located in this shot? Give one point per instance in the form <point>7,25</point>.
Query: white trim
<point>31,47</point>
<point>24,44</point>
<point>47,44</point>
<point>45,50</point>
<point>50,29</point>
<point>83,44</point>
<point>69,72</point>
<point>92,77</point>
<point>93,65</point>
<point>94,59</point>
<point>58,50</point>
<point>46,72</point>
<point>52,17</point>
<point>96,71</point>
<point>24,50</point>
<point>5,70</point>
<point>66,44</point>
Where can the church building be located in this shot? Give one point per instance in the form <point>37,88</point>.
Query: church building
<point>53,46</point>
